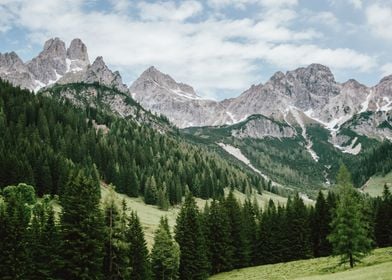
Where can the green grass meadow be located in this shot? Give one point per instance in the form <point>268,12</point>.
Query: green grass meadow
<point>376,266</point>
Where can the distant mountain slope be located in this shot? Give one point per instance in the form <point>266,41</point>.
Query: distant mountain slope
<point>44,139</point>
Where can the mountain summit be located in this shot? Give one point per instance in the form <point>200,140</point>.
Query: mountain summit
<point>58,64</point>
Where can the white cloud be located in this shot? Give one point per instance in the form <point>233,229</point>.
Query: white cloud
<point>169,10</point>
<point>242,4</point>
<point>386,69</point>
<point>356,3</point>
<point>379,19</point>
<point>327,18</point>
<point>292,56</point>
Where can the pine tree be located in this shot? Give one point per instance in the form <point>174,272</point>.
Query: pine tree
<point>249,225</point>
<point>82,229</point>
<point>44,242</point>
<point>15,262</point>
<point>321,219</point>
<point>241,247</point>
<point>139,263</point>
<point>116,248</point>
<point>165,254</point>
<point>297,230</point>
<point>383,220</point>
<point>188,234</point>
<point>349,236</point>
<point>219,241</point>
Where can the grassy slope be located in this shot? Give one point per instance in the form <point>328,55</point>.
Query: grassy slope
<point>378,265</point>
<point>375,185</point>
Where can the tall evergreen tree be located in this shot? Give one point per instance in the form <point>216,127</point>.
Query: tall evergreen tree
<point>241,246</point>
<point>139,262</point>
<point>188,234</point>
<point>383,220</point>
<point>165,254</point>
<point>115,266</point>
<point>249,216</point>
<point>320,220</point>
<point>297,230</point>
<point>82,229</point>
<point>349,236</point>
<point>44,242</point>
<point>15,262</point>
<point>220,245</point>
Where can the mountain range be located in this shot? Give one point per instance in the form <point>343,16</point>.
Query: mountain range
<point>305,105</point>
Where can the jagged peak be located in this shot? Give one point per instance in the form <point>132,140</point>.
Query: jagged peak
<point>353,83</point>
<point>386,79</point>
<point>77,50</point>
<point>54,46</point>
<point>277,76</point>
<point>99,63</point>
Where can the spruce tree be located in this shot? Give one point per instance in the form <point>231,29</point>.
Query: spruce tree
<point>139,263</point>
<point>15,261</point>
<point>349,236</point>
<point>115,266</point>
<point>220,245</point>
<point>82,229</point>
<point>241,247</point>
<point>165,254</point>
<point>320,220</point>
<point>249,225</point>
<point>297,230</point>
<point>44,242</point>
<point>189,236</point>
<point>383,220</point>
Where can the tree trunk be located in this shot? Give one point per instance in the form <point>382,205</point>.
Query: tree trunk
<point>351,261</point>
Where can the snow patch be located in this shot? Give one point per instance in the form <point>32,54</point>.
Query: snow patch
<point>231,116</point>
<point>184,94</point>
<point>309,143</point>
<point>365,104</point>
<point>351,149</point>
<point>39,85</point>
<point>240,156</point>
<point>332,125</point>
<point>388,106</point>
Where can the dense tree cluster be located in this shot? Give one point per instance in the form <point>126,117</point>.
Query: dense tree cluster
<point>44,140</point>
<point>84,240</point>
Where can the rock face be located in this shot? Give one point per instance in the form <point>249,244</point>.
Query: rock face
<point>260,127</point>
<point>14,70</point>
<point>161,94</point>
<point>77,57</point>
<point>50,63</point>
<point>56,64</point>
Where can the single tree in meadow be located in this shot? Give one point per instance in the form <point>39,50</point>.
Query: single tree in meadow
<point>349,236</point>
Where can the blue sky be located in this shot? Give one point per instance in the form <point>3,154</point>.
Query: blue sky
<point>220,47</point>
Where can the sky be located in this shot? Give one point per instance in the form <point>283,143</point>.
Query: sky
<point>220,47</point>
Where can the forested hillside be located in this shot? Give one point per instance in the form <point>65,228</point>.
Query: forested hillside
<point>43,140</point>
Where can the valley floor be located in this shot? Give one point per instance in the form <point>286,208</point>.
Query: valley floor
<point>378,266</point>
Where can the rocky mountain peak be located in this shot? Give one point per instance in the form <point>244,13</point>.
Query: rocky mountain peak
<point>51,63</point>
<point>54,48</point>
<point>98,72</point>
<point>10,61</point>
<point>154,76</point>
<point>77,51</point>
<point>99,64</point>
<point>386,79</point>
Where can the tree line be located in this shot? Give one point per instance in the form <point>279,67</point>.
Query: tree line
<point>84,240</point>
